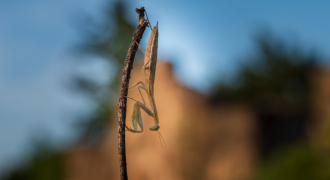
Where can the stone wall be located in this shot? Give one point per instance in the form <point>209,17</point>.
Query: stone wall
<point>204,141</point>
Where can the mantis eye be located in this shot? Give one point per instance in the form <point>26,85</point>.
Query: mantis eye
<point>154,128</point>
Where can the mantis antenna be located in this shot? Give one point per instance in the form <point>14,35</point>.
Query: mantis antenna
<point>161,138</point>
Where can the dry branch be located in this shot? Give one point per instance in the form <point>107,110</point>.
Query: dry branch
<point>124,91</point>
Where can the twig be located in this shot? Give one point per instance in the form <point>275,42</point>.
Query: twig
<point>124,91</point>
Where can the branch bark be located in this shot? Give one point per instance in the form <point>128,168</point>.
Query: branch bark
<point>124,91</point>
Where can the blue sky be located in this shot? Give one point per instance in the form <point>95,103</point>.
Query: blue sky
<point>203,39</point>
<point>213,35</point>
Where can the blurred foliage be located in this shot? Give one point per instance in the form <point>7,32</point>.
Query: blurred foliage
<point>92,128</point>
<point>297,162</point>
<point>320,140</point>
<point>110,41</point>
<point>274,74</point>
<point>45,163</point>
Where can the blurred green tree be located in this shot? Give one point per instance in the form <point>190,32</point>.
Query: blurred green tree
<point>275,74</point>
<point>110,41</point>
<point>274,81</point>
<point>297,162</point>
<point>46,162</point>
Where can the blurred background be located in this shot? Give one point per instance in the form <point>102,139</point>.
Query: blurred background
<point>242,90</point>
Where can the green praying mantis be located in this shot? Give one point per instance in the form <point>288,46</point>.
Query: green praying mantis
<point>148,72</point>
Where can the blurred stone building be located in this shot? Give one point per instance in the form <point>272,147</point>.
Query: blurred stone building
<point>205,140</point>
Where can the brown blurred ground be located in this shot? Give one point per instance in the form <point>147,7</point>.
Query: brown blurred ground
<point>319,124</point>
<point>204,140</point>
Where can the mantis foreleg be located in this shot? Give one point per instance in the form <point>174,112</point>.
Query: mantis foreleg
<point>136,116</point>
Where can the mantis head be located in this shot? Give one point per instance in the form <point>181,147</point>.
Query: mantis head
<point>154,128</point>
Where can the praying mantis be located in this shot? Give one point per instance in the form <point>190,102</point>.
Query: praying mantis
<point>148,72</point>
